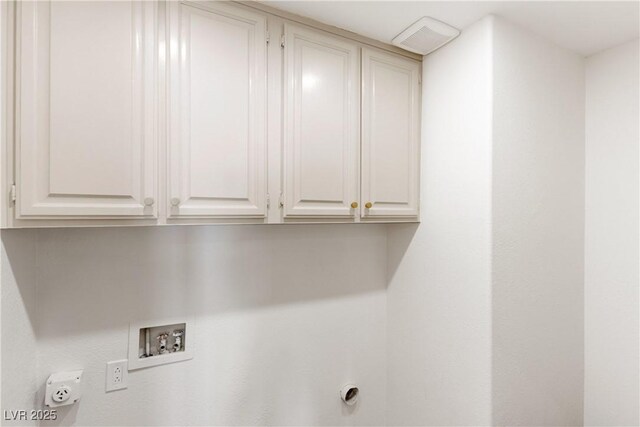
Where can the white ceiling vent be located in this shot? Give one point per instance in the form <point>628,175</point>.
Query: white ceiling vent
<point>425,36</point>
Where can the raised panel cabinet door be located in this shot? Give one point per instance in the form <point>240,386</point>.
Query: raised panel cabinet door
<point>86,100</point>
<point>390,135</point>
<point>217,137</point>
<point>322,124</point>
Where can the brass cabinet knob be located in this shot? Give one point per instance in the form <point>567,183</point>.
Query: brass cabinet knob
<point>354,205</point>
<point>368,205</point>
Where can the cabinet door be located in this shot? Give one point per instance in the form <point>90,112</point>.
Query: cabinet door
<point>86,133</point>
<point>321,136</point>
<point>390,135</point>
<point>217,148</point>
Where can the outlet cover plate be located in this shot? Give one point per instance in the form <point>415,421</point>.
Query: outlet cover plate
<point>117,376</point>
<point>70,382</point>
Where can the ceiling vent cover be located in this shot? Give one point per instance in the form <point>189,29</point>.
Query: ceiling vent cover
<point>425,36</point>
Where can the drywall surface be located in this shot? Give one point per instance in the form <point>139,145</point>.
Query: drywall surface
<point>485,298</point>
<point>285,315</point>
<point>482,321</point>
<point>439,297</point>
<point>611,247</point>
<point>19,346</point>
<point>538,230</point>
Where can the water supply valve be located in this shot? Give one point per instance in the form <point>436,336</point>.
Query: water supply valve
<point>162,342</point>
<point>177,339</point>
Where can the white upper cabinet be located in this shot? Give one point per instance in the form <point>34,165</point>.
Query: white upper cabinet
<point>86,109</point>
<point>152,112</point>
<point>217,108</point>
<point>390,135</point>
<point>321,124</point>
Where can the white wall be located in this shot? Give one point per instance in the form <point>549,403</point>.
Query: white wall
<point>285,316</point>
<point>482,322</point>
<point>611,247</point>
<point>538,219</point>
<point>18,296</point>
<point>439,296</point>
<point>485,307</point>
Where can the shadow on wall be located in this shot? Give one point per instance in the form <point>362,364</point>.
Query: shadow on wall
<point>403,235</point>
<point>18,322</point>
<point>18,279</point>
<point>87,279</point>
<point>285,315</point>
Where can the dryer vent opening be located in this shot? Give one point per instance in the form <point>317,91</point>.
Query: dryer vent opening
<point>349,394</point>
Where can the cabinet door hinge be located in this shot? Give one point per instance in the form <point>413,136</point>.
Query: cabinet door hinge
<point>268,201</point>
<point>281,201</point>
<point>12,193</point>
<point>268,37</point>
<point>282,41</point>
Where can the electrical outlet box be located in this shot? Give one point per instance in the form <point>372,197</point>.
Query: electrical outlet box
<point>117,375</point>
<point>159,342</point>
<point>63,388</point>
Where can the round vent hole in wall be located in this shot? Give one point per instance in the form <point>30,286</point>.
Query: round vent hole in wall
<point>349,394</point>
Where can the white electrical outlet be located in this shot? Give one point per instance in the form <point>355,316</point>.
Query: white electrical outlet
<point>117,375</point>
